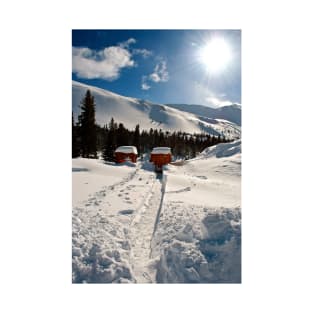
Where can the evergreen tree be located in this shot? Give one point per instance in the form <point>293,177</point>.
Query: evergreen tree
<point>75,143</point>
<point>150,140</point>
<point>111,142</point>
<point>156,139</point>
<point>105,132</point>
<point>192,146</point>
<point>161,138</point>
<point>183,145</point>
<point>121,135</point>
<point>100,137</point>
<point>219,138</point>
<point>143,142</point>
<point>136,140</point>
<point>88,132</point>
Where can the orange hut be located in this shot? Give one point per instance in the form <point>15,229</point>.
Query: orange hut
<point>160,156</point>
<point>126,153</point>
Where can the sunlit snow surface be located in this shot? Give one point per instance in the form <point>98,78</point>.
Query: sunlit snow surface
<point>128,110</point>
<point>136,226</point>
<point>199,233</point>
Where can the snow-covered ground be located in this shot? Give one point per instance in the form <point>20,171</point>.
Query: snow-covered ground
<point>132,225</point>
<point>92,175</point>
<point>199,233</point>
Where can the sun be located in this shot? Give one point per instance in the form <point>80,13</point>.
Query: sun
<point>216,55</point>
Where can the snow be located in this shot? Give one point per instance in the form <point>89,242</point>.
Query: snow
<point>231,113</point>
<point>137,226</point>
<point>198,236</point>
<point>223,150</point>
<point>161,150</point>
<point>103,240</point>
<point>131,111</point>
<point>90,175</point>
<point>127,149</point>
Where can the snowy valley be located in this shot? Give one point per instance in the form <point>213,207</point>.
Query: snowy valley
<point>132,225</point>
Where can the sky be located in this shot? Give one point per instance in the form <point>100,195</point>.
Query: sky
<point>162,66</point>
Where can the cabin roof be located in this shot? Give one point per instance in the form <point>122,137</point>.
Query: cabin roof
<point>127,149</point>
<point>161,150</point>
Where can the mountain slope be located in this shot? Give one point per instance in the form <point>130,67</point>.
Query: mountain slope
<point>131,111</point>
<point>231,113</point>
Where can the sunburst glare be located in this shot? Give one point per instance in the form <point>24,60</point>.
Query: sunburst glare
<point>216,55</point>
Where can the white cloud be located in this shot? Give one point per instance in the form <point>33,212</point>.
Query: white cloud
<point>127,43</point>
<point>144,84</point>
<point>154,77</point>
<point>160,73</point>
<point>215,102</point>
<point>105,64</point>
<point>144,52</point>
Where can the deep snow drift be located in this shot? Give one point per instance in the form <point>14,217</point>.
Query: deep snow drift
<point>131,111</point>
<point>136,226</point>
<point>199,232</point>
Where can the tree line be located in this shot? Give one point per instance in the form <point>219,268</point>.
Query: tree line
<point>88,138</point>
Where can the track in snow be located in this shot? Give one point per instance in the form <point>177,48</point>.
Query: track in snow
<point>119,219</point>
<point>142,230</point>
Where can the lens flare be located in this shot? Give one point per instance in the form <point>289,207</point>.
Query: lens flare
<point>216,55</point>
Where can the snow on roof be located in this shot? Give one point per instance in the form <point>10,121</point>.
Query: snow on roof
<point>127,149</point>
<point>161,150</point>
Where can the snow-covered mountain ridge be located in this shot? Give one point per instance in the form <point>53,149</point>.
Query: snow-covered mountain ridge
<point>231,113</point>
<point>132,111</point>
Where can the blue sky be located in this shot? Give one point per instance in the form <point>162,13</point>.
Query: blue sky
<point>163,66</point>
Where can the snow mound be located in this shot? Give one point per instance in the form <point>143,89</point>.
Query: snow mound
<point>100,247</point>
<point>99,266</point>
<point>126,163</point>
<point>223,150</point>
<point>209,252</point>
<point>198,239</point>
<point>127,149</point>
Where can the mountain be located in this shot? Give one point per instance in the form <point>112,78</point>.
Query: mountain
<point>230,113</point>
<point>132,111</point>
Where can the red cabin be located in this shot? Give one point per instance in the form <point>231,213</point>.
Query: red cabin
<point>160,156</point>
<point>126,153</point>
